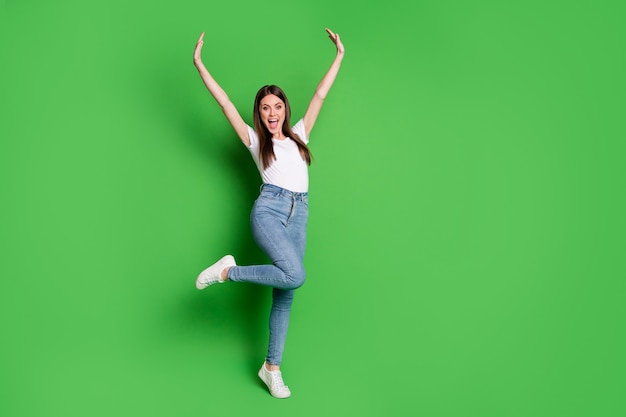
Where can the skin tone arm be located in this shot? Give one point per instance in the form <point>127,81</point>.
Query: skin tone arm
<point>324,86</point>
<point>220,95</point>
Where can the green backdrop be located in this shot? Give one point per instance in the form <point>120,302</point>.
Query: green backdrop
<point>466,239</point>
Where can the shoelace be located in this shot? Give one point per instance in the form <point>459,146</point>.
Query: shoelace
<point>277,380</point>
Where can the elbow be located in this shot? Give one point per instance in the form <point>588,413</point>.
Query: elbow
<point>226,104</point>
<point>320,95</point>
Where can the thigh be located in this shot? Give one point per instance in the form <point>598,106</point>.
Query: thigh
<point>268,222</point>
<point>296,226</point>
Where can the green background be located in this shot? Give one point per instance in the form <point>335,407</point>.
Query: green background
<point>466,239</point>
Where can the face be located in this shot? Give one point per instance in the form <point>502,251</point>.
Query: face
<point>272,112</point>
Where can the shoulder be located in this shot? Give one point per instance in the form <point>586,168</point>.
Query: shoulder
<point>299,130</point>
<point>254,139</point>
<point>254,146</point>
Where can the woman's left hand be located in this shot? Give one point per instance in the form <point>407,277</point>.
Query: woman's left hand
<point>335,38</point>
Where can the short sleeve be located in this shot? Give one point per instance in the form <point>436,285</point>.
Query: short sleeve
<point>254,145</point>
<point>254,140</point>
<point>299,130</point>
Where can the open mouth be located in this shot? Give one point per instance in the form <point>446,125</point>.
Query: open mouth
<point>272,123</point>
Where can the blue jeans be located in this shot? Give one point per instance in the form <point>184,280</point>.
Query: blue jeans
<point>278,220</point>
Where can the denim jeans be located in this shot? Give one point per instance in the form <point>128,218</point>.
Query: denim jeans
<point>278,221</point>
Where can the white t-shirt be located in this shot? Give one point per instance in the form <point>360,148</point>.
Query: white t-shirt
<point>289,170</point>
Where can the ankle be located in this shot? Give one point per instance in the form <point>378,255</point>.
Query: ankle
<point>224,274</point>
<point>272,367</point>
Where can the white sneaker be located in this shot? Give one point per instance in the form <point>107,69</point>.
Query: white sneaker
<point>212,274</point>
<point>274,381</point>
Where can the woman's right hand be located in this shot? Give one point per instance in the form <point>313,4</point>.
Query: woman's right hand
<point>197,53</point>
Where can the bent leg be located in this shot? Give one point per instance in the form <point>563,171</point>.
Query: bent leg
<point>270,231</point>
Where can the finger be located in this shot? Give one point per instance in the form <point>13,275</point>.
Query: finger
<point>330,33</point>
<point>201,37</point>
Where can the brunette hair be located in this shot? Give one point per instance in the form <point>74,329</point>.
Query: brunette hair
<point>266,146</point>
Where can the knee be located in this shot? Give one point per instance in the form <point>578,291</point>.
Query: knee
<point>296,277</point>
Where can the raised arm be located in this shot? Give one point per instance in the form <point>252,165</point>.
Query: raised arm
<point>324,86</point>
<point>220,95</point>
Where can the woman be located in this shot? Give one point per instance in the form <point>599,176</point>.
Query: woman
<point>279,216</point>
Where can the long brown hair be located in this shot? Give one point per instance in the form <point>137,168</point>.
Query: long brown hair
<point>266,146</point>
